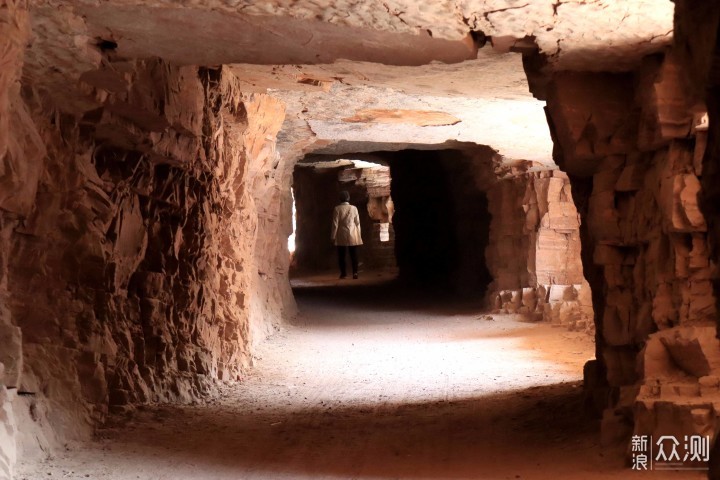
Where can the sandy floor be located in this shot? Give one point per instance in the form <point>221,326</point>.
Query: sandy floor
<point>375,382</point>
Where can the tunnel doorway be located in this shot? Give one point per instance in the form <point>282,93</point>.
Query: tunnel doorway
<point>317,183</point>
<point>424,215</point>
<point>425,354</point>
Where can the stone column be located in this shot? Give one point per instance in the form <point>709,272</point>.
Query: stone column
<point>637,140</point>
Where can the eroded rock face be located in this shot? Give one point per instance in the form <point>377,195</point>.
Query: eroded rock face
<point>580,35</point>
<point>15,199</point>
<point>697,24</point>
<point>534,251</point>
<point>151,256</point>
<point>645,233</point>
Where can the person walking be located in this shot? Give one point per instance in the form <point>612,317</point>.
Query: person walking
<point>346,234</point>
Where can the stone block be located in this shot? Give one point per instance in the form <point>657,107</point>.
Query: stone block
<point>688,202</point>
<point>688,351</point>
<point>529,298</point>
<point>560,293</point>
<point>679,204</point>
<point>709,386</point>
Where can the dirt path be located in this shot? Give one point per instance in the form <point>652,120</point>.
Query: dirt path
<point>371,382</point>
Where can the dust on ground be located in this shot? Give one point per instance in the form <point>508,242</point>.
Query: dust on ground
<point>373,381</point>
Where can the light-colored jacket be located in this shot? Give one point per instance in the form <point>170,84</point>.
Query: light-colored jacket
<point>346,226</point>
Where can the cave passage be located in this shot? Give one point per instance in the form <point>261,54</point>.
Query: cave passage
<point>424,214</point>
<point>411,371</point>
<point>373,381</point>
<point>536,184</point>
<point>317,183</point>
<point>442,221</point>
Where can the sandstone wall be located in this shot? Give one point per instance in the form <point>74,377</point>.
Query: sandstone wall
<point>696,47</point>
<point>147,250</point>
<point>635,161</point>
<point>14,165</point>
<point>534,250</point>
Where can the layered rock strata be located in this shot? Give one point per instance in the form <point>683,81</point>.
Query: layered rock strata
<point>633,145</point>
<point>534,250</point>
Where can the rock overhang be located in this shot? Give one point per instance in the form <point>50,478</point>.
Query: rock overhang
<point>331,61</point>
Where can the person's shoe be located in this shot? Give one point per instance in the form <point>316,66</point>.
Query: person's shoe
<point>342,277</point>
<point>355,276</point>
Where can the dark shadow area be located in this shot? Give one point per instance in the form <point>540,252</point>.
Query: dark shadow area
<point>442,222</point>
<point>539,429</point>
<point>385,294</point>
<point>426,237</point>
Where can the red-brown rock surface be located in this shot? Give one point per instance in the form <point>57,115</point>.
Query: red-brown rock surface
<point>136,273</point>
<point>534,251</point>
<point>16,133</point>
<point>648,238</point>
<point>145,202</point>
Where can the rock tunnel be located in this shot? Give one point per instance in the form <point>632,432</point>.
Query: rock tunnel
<point>548,166</point>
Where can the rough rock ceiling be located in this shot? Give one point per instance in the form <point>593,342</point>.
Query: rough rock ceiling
<point>216,37</point>
<point>576,34</point>
<point>428,84</point>
<point>365,107</point>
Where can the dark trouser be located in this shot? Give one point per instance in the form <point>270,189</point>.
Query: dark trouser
<point>353,259</point>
